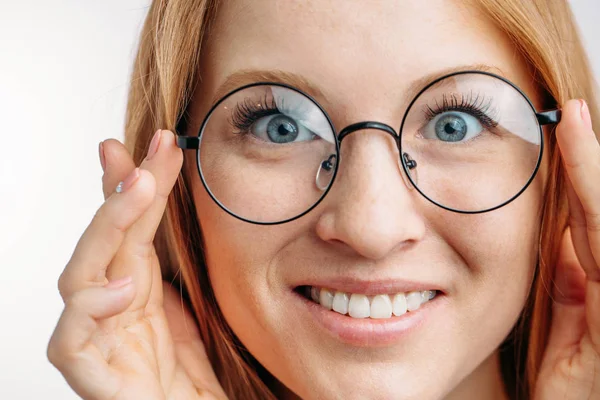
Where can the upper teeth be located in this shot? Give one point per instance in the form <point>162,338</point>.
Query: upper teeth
<point>362,306</point>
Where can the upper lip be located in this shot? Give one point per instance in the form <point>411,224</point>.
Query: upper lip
<point>372,287</point>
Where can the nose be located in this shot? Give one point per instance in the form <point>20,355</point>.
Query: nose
<point>370,207</point>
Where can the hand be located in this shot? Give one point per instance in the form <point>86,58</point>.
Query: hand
<point>571,366</point>
<point>129,340</point>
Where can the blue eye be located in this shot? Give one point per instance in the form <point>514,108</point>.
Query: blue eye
<point>278,115</point>
<point>452,127</point>
<point>280,128</point>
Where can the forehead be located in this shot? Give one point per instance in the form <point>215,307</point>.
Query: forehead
<point>358,53</point>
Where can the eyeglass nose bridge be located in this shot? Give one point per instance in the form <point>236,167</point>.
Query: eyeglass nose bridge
<point>358,126</point>
<point>405,162</point>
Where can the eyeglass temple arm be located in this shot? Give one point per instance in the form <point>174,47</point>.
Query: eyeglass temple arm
<point>549,117</point>
<point>188,142</point>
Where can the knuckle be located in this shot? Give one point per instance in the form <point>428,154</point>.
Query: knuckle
<point>63,285</point>
<point>576,222</point>
<point>141,253</point>
<point>592,222</point>
<point>60,358</point>
<point>76,302</point>
<point>106,215</point>
<point>52,354</point>
<point>141,250</point>
<point>55,351</point>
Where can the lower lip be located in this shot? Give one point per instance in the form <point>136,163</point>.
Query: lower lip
<point>368,332</point>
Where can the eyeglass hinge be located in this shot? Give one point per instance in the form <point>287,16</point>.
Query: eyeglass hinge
<point>549,117</point>
<point>188,142</point>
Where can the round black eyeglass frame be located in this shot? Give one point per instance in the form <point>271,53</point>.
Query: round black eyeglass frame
<point>548,117</point>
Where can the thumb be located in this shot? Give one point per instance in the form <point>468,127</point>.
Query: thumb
<point>568,309</point>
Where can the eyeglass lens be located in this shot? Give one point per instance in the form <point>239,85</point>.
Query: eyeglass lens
<point>475,140</point>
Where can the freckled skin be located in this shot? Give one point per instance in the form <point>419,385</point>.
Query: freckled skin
<point>363,56</point>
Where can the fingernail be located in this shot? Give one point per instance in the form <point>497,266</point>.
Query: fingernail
<point>129,181</point>
<point>585,114</point>
<point>118,283</point>
<point>154,144</point>
<point>102,158</point>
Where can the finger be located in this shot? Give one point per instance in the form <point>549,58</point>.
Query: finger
<point>101,240</point>
<point>593,312</point>
<point>164,162</point>
<point>69,349</point>
<point>578,227</point>
<point>165,165</point>
<point>117,165</point>
<point>568,310</point>
<point>569,278</point>
<point>581,155</point>
<point>189,347</point>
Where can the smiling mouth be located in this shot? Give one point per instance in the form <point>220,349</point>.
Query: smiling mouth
<point>360,306</point>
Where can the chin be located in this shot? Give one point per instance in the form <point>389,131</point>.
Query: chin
<point>373,383</point>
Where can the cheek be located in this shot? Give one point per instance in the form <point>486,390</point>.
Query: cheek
<point>499,253</point>
<point>239,258</point>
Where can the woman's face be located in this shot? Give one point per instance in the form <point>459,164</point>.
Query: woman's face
<point>372,234</point>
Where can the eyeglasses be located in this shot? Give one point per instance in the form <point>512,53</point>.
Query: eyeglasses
<point>470,142</point>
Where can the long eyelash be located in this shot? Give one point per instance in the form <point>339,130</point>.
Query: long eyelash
<point>248,112</point>
<point>474,104</point>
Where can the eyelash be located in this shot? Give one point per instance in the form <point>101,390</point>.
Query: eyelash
<point>248,112</point>
<point>478,107</point>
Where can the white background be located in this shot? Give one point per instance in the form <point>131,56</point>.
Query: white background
<point>64,69</point>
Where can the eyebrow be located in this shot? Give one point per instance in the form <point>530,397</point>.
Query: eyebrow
<point>245,77</point>
<point>418,84</point>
